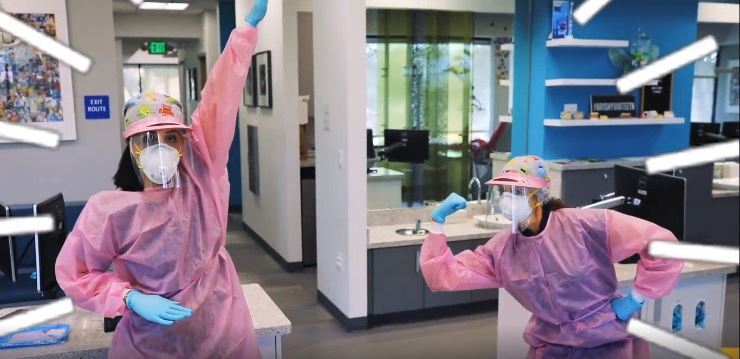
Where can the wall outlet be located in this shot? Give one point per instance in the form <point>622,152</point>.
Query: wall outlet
<point>339,262</point>
<point>327,119</point>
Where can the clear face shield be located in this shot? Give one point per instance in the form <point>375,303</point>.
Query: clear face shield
<point>158,157</point>
<point>513,203</point>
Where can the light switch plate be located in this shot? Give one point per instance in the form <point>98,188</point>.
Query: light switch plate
<point>327,119</point>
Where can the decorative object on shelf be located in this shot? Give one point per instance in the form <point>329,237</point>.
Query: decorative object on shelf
<point>613,106</point>
<point>566,115</point>
<point>650,114</point>
<point>594,115</point>
<point>250,87</point>
<point>658,97</point>
<point>571,107</point>
<point>669,114</point>
<point>641,53</point>
<point>562,19</point>
<point>625,115</point>
<point>603,117</point>
<point>503,57</point>
<point>263,66</point>
<point>579,115</point>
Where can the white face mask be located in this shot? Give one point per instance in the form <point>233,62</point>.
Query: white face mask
<point>159,162</point>
<point>515,208</point>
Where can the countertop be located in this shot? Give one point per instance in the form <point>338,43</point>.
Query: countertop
<point>572,165</point>
<point>626,272</point>
<point>384,174</point>
<point>723,193</point>
<point>87,339</point>
<point>386,236</point>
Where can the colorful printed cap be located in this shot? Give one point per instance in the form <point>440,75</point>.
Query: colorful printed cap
<point>525,171</point>
<point>152,111</point>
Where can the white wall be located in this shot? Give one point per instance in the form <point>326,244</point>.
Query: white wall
<point>339,65</point>
<point>482,6</point>
<point>276,213</point>
<point>210,38</point>
<point>162,26</point>
<point>82,167</point>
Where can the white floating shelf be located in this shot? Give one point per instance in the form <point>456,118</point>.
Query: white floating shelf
<point>507,47</point>
<point>505,82</point>
<point>614,122</point>
<point>505,119</point>
<point>585,82</point>
<point>587,43</point>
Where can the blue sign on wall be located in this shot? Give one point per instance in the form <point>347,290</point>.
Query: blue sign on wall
<point>97,108</point>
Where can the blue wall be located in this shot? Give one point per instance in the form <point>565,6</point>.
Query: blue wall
<point>227,22</point>
<point>671,24</point>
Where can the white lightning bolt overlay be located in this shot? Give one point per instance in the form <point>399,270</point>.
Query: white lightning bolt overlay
<point>667,64</point>
<point>588,9</point>
<point>44,43</point>
<point>26,225</point>
<point>694,252</point>
<point>136,2</point>
<point>32,135</point>
<point>669,341</point>
<point>693,157</point>
<point>39,315</point>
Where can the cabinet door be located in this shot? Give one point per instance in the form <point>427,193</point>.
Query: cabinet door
<point>581,186</point>
<point>396,281</point>
<point>481,295</point>
<point>441,299</point>
<point>308,221</point>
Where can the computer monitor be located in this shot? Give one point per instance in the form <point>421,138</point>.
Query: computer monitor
<point>657,198</point>
<point>7,250</point>
<point>49,244</point>
<point>703,133</point>
<point>731,129</point>
<point>411,146</point>
<point>370,145</point>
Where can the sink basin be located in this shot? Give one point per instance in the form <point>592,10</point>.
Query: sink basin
<point>494,221</point>
<point>412,232</point>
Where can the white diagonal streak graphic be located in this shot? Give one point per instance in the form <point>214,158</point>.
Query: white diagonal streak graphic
<point>588,9</point>
<point>694,252</point>
<point>674,343</point>
<point>26,225</point>
<point>28,134</point>
<point>39,315</point>
<point>693,157</point>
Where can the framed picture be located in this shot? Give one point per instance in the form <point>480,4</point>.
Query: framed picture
<point>658,97</point>
<point>263,68</point>
<point>732,88</point>
<point>193,89</point>
<point>250,93</point>
<point>35,89</point>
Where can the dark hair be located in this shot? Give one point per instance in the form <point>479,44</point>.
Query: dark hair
<point>555,204</point>
<point>126,177</point>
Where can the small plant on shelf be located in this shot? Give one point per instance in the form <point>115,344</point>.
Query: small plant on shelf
<point>642,52</point>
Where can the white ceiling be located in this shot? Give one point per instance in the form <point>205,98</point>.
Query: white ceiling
<point>196,7</point>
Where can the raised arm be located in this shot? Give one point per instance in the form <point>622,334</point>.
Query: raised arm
<point>214,121</point>
<point>444,271</point>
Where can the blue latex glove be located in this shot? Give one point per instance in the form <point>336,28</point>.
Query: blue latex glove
<point>257,13</point>
<point>625,307</point>
<point>156,309</point>
<point>452,204</point>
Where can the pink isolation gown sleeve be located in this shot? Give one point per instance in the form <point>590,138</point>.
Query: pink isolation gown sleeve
<point>83,262</point>
<point>445,272</point>
<point>626,235</point>
<point>214,120</point>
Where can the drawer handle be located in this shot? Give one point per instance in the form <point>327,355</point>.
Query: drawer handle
<point>417,261</point>
<point>606,176</point>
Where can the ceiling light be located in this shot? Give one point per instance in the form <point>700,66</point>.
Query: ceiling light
<point>178,6</point>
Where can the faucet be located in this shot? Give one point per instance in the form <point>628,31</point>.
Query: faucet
<point>418,226</point>
<point>474,180</point>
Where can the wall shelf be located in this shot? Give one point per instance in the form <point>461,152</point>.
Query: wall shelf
<point>585,82</point>
<point>505,82</point>
<point>594,43</point>
<point>505,119</point>
<point>614,122</point>
<point>507,47</point>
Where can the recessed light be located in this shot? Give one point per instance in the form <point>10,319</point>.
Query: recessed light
<point>177,6</point>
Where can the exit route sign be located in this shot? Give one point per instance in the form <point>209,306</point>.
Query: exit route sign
<point>157,47</point>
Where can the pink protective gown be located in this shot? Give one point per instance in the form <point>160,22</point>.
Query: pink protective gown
<point>171,242</point>
<point>564,276</point>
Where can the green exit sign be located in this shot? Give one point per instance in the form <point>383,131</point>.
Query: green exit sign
<point>157,47</point>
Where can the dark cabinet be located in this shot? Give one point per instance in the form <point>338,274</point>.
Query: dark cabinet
<point>396,281</point>
<point>396,284</point>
